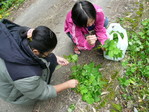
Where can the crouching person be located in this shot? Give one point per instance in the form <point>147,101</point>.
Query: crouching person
<point>27,64</point>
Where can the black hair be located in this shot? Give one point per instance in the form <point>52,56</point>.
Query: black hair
<point>43,38</point>
<point>81,12</point>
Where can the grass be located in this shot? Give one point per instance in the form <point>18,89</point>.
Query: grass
<point>7,6</point>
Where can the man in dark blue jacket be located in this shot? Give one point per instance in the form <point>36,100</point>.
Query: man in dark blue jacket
<point>27,64</point>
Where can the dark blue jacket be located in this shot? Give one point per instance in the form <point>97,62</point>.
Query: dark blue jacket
<point>23,76</point>
<point>16,53</point>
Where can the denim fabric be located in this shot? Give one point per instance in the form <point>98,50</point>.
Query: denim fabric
<point>91,27</point>
<point>70,36</point>
<point>106,22</point>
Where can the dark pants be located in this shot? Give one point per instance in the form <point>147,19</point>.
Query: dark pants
<point>106,22</point>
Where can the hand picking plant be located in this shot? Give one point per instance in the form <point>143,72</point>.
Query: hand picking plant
<point>90,80</point>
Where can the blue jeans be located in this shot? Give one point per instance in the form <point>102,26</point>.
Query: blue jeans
<point>106,22</point>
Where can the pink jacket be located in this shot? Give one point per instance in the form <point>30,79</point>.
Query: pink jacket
<point>79,32</point>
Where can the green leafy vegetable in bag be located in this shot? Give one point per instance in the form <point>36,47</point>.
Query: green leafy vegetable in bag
<point>111,49</point>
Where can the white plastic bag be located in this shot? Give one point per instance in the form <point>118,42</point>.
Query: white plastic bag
<point>122,43</point>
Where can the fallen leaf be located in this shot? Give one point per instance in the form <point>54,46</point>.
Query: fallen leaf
<point>1,17</point>
<point>104,93</point>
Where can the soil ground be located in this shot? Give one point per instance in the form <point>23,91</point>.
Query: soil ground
<point>52,13</point>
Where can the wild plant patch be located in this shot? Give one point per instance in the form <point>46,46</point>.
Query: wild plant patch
<point>90,80</point>
<point>135,83</point>
<point>5,5</point>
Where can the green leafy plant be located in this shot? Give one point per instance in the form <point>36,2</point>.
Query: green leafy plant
<point>90,80</point>
<point>72,58</point>
<point>135,83</point>
<point>136,65</point>
<point>115,36</point>
<point>111,49</point>
<point>6,5</point>
<point>110,46</point>
<point>116,108</point>
<point>71,108</point>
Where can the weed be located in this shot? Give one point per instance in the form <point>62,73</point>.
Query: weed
<point>135,82</point>
<point>6,5</point>
<point>90,80</point>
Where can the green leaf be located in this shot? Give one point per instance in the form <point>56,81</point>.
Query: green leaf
<point>71,58</point>
<point>88,98</point>
<point>117,107</point>
<point>71,108</point>
<point>141,33</point>
<point>112,50</point>
<point>97,98</point>
<point>75,58</point>
<point>90,83</point>
<point>84,90</point>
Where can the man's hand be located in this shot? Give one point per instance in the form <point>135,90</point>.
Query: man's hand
<point>91,39</point>
<point>62,61</point>
<point>72,83</point>
<point>68,84</point>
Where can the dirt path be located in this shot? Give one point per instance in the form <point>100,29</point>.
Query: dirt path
<point>52,14</point>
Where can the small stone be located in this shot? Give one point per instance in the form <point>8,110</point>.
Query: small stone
<point>130,104</point>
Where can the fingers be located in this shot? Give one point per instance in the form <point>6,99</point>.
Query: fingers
<point>76,82</point>
<point>62,61</point>
<point>91,42</point>
<point>91,37</point>
<point>73,83</point>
